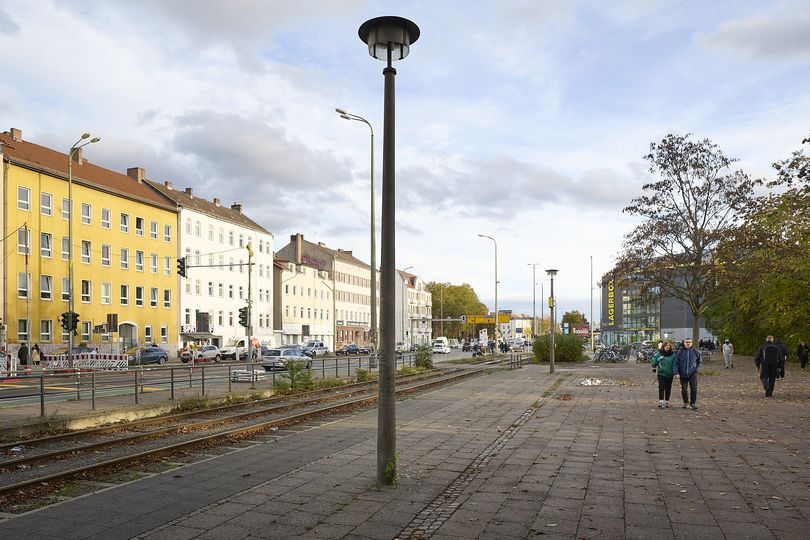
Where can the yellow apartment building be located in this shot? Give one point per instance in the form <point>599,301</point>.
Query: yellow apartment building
<point>124,243</point>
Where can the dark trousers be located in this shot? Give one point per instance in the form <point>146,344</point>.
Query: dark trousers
<point>691,382</point>
<point>767,374</point>
<point>664,387</point>
<point>803,360</point>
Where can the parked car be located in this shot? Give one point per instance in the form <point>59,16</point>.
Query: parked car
<point>206,353</point>
<point>316,348</point>
<point>517,346</point>
<point>440,348</point>
<point>467,347</point>
<point>351,348</point>
<point>147,355</point>
<point>276,359</point>
<point>400,346</point>
<point>299,349</point>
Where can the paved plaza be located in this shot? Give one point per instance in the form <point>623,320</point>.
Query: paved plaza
<point>583,453</point>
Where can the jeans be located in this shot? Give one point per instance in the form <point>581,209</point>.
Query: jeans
<point>664,387</point>
<point>691,382</point>
<point>767,375</point>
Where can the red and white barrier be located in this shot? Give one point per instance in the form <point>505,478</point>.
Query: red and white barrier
<point>92,362</point>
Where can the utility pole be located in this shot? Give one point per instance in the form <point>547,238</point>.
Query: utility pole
<point>249,328</point>
<point>28,286</point>
<point>591,286</point>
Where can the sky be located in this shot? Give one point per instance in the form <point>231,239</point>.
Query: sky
<point>526,121</point>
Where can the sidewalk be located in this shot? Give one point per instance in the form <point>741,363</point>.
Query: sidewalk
<point>494,458</point>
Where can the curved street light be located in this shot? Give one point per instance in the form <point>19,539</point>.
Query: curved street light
<point>496,285</point>
<point>534,299</point>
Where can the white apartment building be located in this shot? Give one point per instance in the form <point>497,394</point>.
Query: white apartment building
<point>414,310</point>
<point>214,239</point>
<point>304,303</point>
<point>518,327</point>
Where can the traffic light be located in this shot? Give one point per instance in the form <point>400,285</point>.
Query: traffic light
<point>74,321</point>
<point>64,321</point>
<point>243,316</point>
<point>181,266</point>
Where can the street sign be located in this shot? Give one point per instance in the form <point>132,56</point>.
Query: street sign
<point>483,319</point>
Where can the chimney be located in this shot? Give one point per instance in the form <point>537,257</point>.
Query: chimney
<point>78,156</point>
<point>168,184</point>
<point>190,192</point>
<point>136,173</point>
<point>216,201</point>
<point>299,246</point>
<point>321,244</point>
<point>16,134</point>
<point>237,207</point>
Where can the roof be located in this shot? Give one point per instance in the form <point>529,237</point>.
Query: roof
<point>348,257</point>
<point>54,163</point>
<point>204,206</point>
<point>409,278</point>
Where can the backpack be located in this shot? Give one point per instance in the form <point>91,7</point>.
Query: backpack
<point>771,354</point>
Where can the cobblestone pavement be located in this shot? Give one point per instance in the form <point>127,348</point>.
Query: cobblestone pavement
<point>517,454</point>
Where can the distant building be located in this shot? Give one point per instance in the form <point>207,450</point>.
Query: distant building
<point>304,305</point>
<point>413,310</point>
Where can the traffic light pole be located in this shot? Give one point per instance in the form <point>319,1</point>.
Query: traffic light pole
<point>249,326</point>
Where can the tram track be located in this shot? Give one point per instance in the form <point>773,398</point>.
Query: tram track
<point>57,466</point>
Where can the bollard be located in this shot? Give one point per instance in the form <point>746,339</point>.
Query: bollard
<point>202,379</point>
<point>323,368</point>
<point>171,377</point>
<point>336,365</point>
<point>190,368</point>
<point>229,379</point>
<point>42,395</point>
<point>93,390</point>
<point>136,387</point>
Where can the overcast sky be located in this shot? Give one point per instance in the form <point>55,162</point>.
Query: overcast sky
<point>522,120</point>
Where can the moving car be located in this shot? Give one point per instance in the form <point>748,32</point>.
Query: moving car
<point>316,348</point>
<point>352,348</point>
<point>147,355</point>
<point>276,359</point>
<point>299,349</point>
<point>205,353</point>
<point>439,348</point>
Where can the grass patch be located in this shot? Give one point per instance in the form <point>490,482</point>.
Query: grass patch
<point>553,388</point>
<point>709,372</point>
<point>331,382</point>
<point>192,403</point>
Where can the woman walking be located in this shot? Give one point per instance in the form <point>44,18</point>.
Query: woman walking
<point>728,350</point>
<point>663,360</point>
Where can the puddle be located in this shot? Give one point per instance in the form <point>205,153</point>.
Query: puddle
<point>593,381</point>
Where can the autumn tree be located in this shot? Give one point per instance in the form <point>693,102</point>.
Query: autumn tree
<point>694,202</point>
<point>763,264</point>
<point>458,300</point>
<point>574,317</point>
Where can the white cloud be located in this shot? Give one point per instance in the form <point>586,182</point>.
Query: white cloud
<point>764,37</point>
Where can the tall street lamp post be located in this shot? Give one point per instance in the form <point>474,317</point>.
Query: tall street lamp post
<point>388,39</point>
<point>551,306</point>
<point>77,147</point>
<point>349,116</point>
<point>534,298</point>
<point>496,285</point>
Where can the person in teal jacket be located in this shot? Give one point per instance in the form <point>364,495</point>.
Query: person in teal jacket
<point>662,361</point>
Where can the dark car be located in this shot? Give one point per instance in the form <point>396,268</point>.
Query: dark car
<point>467,347</point>
<point>351,348</point>
<point>147,355</point>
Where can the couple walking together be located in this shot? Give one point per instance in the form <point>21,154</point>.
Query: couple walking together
<point>685,362</point>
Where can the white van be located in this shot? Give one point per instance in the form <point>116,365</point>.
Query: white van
<point>442,341</point>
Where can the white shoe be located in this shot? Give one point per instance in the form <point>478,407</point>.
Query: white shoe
<point>666,404</point>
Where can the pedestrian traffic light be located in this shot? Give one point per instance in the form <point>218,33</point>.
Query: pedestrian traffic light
<point>64,321</point>
<point>243,316</point>
<point>181,266</point>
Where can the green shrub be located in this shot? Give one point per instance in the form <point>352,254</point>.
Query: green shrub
<point>331,382</point>
<point>408,370</point>
<point>567,348</point>
<point>363,375</point>
<point>297,379</point>
<point>424,357</point>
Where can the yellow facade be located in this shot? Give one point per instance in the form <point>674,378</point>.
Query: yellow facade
<point>101,268</point>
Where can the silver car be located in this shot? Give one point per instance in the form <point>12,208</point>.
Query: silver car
<point>276,359</point>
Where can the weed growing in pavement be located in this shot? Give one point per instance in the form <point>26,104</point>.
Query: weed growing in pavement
<point>392,470</point>
<point>364,375</point>
<point>331,382</point>
<point>408,370</point>
<point>192,403</point>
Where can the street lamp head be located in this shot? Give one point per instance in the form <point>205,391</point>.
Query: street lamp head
<point>341,111</point>
<point>345,116</point>
<point>95,140</point>
<point>388,34</point>
<point>552,272</point>
<point>85,135</point>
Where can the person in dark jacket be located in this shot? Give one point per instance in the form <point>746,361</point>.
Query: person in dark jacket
<point>802,352</point>
<point>686,365</point>
<point>783,350</point>
<point>22,355</point>
<point>769,361</point>
<point>662,361</point>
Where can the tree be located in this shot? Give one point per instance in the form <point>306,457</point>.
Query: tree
<point>763,264</point>
<point>458,300</point>
<point>695,202</point>
<point>574,317</point>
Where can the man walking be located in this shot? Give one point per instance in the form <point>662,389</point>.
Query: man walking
<point>769,360</point>
<point>802,351</point>
<point>686,365</point>
<point>728,350</point>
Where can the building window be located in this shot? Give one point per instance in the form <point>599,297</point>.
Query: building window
<point>24,241</point>
<point>188,226</point>
<point>45,330</point>
<point>198,229</point>
<point>23,284</point>
<point>65,289</point>
<point>221,290</point>
<point>230,291</point>
<point>87,212</point>
<point>139,296</point>
<point>105,254</point>
<point>45,287</point>
<point>153,263</point>
<point>46,204</point>
<point>197,287</point>
<point>261,246</point>
<point>153,230</point>
<point>65,248</point>
<point>23,198</point>
<point>153,297</point>
<point>87,288</point>
<point>85,331</point>
<point>197,257</point>
<point>85,252</point>
<point>167,233</point>
<point>210,288</point>
<point>147,334</point>
<point>106,292</point>
<point>230,238</point>
<point>22,330</point>
<point>211,233</point>
<point>221,318</point>
<point>167,266</point>
<point>124,295</point>
<point>241,241</point>
<point>241,293</point>
<point>139,226</point>
<point>124,223</point>
<point>230,264</point>
<point>221,235</point>
<point>164,334</point>
<point>45,245</point>
<point>139,261</point>
<point>222,263</point>
<point>124,259</point>
<point>65,208</point>
<point>106,214</point>
<point>167,298</point>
